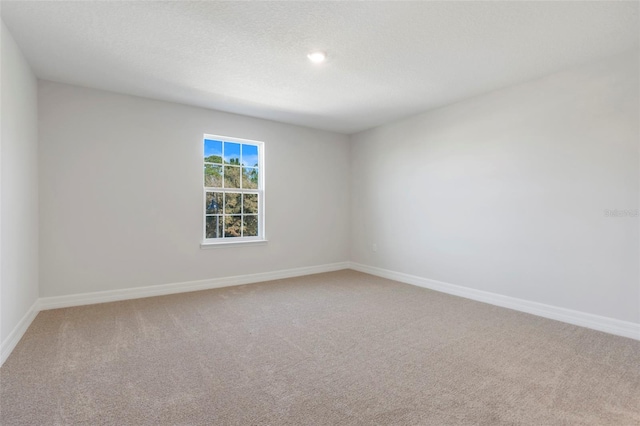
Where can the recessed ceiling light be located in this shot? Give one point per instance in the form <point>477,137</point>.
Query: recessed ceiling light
<point>317,57</point>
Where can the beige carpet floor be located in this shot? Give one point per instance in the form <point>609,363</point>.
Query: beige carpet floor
<point>341,348</point>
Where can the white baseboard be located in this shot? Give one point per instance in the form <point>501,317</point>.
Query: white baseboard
<point>583,319</point>
<point>45,303</point>
<point>163,289</point>
<point>596,322</point>
<point>16,334</point>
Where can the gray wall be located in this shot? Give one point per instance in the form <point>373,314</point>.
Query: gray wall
<point>506,192</point>
<point>121,193</point>
<point>18,188</point>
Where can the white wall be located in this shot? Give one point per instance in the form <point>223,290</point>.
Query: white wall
<point>18,188</point>
<point>506,192</point>
<point>121,193</point>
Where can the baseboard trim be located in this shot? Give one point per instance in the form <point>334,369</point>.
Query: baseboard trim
<point>45,303</point>
<point>583,319</point>
<point>183,287</point>
<point>595,322</point>
<point>16,334</point>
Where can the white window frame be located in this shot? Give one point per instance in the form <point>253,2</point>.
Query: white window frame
<point>231,241</point>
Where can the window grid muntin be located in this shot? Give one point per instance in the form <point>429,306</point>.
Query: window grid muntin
<point>241,213</point>
<point>259,191</point>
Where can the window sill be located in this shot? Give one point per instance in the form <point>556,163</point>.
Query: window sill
<point>207,245</point>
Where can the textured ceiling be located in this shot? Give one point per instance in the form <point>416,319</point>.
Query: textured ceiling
<point>386,60</point>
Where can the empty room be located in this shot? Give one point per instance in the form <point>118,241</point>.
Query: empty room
<point>320,213</point>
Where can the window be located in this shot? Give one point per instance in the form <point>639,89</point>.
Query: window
<point>233,190</point>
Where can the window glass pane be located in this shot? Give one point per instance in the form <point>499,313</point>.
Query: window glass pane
<point>214,203</point>
<point>250,203</point>
<point>250,155</point>
<point>250,177</point>
<point>232,226</point>
<point>232,153</point>
<point>250,226</point>
<point>232,195</point>
<point>212,151</point>
<point>231,177</point>
<point>232,203</point>
<point>212,176</point>
<point>214,226</point>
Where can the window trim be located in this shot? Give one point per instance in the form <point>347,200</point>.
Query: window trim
<point>234,241</point>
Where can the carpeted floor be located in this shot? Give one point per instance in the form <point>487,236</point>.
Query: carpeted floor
<point>342,348</point>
